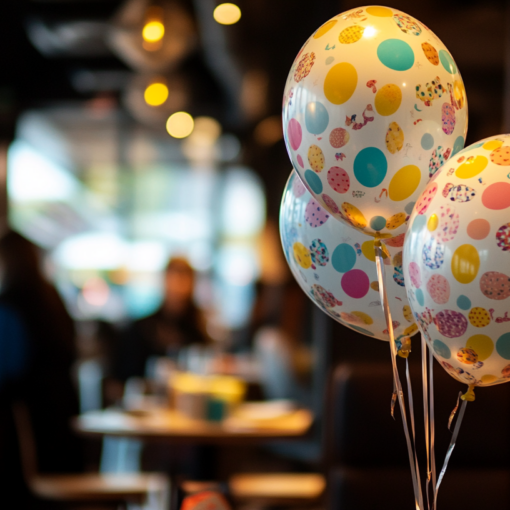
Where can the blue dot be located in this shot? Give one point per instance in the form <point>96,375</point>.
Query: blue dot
<point>420,297</point>
<point>396,54</point>
<point>343,258</point>
<point>362,330</point>
<point>503,346</point>
<point>458,145</point>
<point>427,141</point>
<point>370,167</point>
<point>463,302</point>
<point>314,181</point>
<point>329,60</point>
<point>409,207</point>
<point>316,118</point>
<point>447,61</point>
<point>377,223</point>
<point>442,349</point>
<point>419,222</point>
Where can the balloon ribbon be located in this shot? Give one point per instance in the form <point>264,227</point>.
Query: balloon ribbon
<point>413,460</point>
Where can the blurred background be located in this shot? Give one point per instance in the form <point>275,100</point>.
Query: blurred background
<point>137,131</point>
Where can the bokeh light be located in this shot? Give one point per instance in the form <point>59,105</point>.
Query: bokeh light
<point>227,14</point>
<point>180,125</point>
<point>156,94</point>
<point>153,31</point>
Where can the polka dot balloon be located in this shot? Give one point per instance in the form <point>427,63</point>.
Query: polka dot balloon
<point>374,104</point>
<point>457,264</point>
<point>335,265</point>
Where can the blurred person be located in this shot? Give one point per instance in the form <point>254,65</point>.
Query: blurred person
<point>36,358</point>
<point>177,323</point>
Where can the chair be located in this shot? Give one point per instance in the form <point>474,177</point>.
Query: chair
<point>148,489</point>
<point>368,465</point>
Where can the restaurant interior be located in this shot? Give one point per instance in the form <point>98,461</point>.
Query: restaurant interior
<point>155,350</point>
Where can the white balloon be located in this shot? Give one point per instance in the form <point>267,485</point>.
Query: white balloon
<point>335,266</point>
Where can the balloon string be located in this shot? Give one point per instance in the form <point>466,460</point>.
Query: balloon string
<point>384,300</point>
<point>432,423</point>
<point>452,445</point>
<point>426,414</point>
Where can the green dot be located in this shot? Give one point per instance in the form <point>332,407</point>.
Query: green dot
<point>314,181</point>
<point>396,54</point>
<point>442,349</point>
<point>503,346</point>
<point>447,61</point>
<point>343,258</point>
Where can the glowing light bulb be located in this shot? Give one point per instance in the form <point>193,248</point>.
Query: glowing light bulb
<point>180,125</point>
<point>227,14</point>
<point>156,94</point>
<point>153,31</point>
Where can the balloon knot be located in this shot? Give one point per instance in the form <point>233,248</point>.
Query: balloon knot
<point>405,349</point>
<point>470,394</point>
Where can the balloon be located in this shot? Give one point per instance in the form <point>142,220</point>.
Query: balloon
<point>457,254</point>
<point>335,265</point>
<point>374,104</point>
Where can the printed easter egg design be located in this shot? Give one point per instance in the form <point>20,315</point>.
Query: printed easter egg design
<point>315,215</point>
<point>372,94</point>
<point>354,215</point>
<point>448,118</point>
<point>330,204</point>
<point>408,314</point>
<point>298,188</point>
<point>505,372</point>
<point>459,193</point>
<point>319,252</point>
<point>503,237</point>
<point>324,297</point>
<point>395,242</point>
<point>398,274</point>
<point>437,160</point>
<point>426,197</point>
<point>304,67</point>
<point>407,24</point>
<point>439,289</point>
<point>414,273</point>
<point>316,158</point>
<point>469,357</point>
<point>302,255</point>
<point>501,156</point>
<point>479,317</point>
<point>448,224</point>
<point>394,138</point>
<point>431,53</point>
<point>338,179</point>
<point>339,137</point>
<point>433,254</point>
<point>450,323</point>
<point>495,285</point>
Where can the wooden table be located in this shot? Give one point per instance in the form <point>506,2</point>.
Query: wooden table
<point>171,426</point>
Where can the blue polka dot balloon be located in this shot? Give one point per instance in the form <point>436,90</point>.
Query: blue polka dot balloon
<point>374,105</point>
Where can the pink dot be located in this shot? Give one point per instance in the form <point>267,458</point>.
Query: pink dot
<point>298,188</point>
<point>497,196</point>
<point>355,283</point>
<point>294,133</point>
<point>338,179</point>
<point>300,161</point>
<point>414,274</point>
<point>424,201</point>
<point>439,289</point>
<point>478,229</point>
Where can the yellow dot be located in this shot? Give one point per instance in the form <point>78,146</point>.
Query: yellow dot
<point>388,99</point>
<point>460,94</point>
<point>227,14</point>
<point>374,286</point>
<point>488,378</point>
<point>432,223</point>
<point>380,12</point>
<point>364,317</point>
<point>408,314</point>
<point>153,31</point>
<point>479,317</point>
<point>324,28</point>
<point>340,83</point>
<point>472,167</point>
<point>351,34</point>
<point>180,125</point>
<point>465,263</point>
<point>404,183</point>
<point>302,255</point>
<point>411,330</point>
<point>482,345</point>
<point>492,144</point>
<point>156,94</point>
<point>367,248</point>
<point>354,215</point>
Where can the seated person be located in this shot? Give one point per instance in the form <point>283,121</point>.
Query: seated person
<point>177,323</point>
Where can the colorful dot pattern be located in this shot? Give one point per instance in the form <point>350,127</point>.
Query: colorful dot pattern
<point>457,253</point>
<point>335,266</point>
<point>375,93</point>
